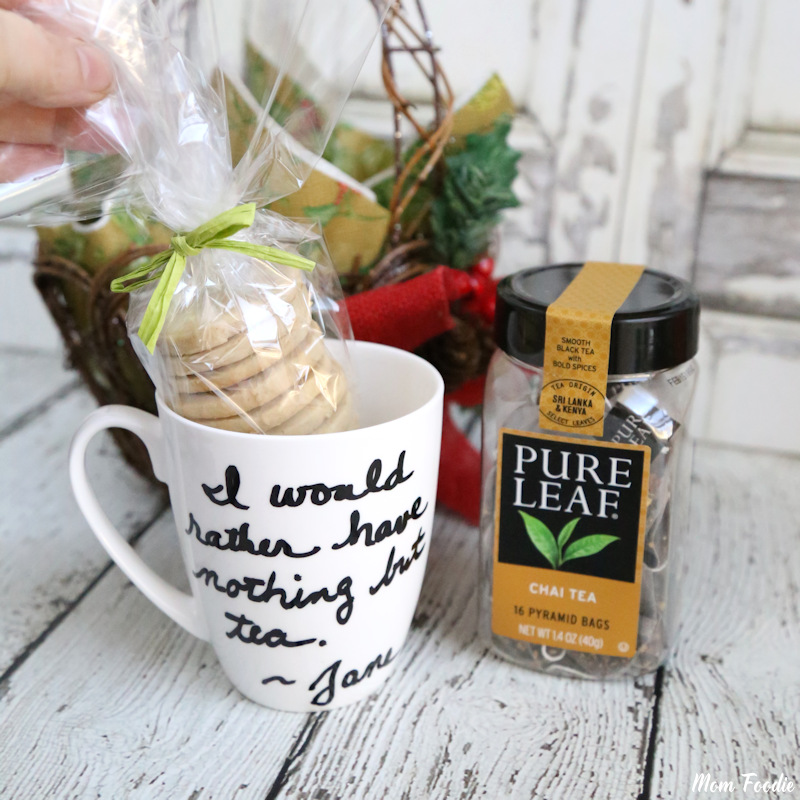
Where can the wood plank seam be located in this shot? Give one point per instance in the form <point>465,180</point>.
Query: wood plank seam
<point>300,746</point>
<point>650,756</point>
<point>36,411</point>
<point>23,656</point>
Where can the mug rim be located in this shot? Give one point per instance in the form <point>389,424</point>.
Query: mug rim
<point>438,394</point>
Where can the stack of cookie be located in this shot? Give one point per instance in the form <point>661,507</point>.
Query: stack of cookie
<point>257,367</point>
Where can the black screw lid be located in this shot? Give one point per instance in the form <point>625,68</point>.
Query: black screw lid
<point>655,328</point>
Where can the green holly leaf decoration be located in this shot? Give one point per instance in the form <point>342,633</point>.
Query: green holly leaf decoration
<point>475,189</point>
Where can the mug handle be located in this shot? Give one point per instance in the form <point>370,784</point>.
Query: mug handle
<point>181,607</point>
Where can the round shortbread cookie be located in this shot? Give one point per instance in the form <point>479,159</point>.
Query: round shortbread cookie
<point>280,318</point>
<point>315,413</point>
<point>258,361</point>
<point>255,391</point>
<point>235,349</point>
<point>206,325</point>
<point>191,330</point>
<point>316,389</point>
<point>323,419</point>
<point>343,420</point>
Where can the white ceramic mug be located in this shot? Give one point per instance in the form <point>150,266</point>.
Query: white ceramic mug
<point>305,554</point>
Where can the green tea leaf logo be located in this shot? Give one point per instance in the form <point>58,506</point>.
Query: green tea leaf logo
<point>588,546</point>
<point>566,532</point>
<point>542,539</point>
<point>552,548</point>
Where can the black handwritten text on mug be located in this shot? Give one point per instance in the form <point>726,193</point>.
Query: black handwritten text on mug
<point>383,531</point>
<point>279,679</point>
<point>232,482</point>
<point>238,540</point>
<point>401,565</point>
<point>253,635</point>
<point>259,591</point>
<point>327,678</point>
<point>320,493</point>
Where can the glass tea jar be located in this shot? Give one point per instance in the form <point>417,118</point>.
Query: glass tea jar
<point>585,473</point>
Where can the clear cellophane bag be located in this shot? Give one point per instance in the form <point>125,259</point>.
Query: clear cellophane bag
<point>246,343</point>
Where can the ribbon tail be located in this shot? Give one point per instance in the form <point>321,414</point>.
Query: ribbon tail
<point>459,486</point>
<point>265,253</point>
<point>145,273</point>
<point>156,313</point>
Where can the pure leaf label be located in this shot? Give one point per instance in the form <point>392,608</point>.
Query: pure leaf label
<point>569,540</point>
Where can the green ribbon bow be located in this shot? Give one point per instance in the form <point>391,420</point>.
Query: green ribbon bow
<point>167,267</point>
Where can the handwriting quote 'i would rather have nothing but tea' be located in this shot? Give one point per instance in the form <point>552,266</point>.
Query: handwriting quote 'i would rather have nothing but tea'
<point>339,592</point>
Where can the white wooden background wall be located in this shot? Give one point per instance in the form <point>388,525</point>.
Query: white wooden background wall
<point>657,131</point>
<point>626,106</point>
<point>665,132</point>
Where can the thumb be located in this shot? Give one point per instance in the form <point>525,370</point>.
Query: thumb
<point>47,70</point>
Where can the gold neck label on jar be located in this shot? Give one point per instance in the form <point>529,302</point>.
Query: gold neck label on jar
<point>570,520</point>
<point>577,345</point>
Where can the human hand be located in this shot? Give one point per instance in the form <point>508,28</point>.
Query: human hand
<point>46,78</point>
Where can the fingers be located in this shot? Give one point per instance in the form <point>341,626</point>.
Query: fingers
<point>42,69</point>
<point>62,127</point>
<point>39,150</point>
<point>28,161</point>
<point>23,124</point>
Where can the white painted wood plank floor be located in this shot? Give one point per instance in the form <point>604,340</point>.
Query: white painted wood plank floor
<point>101,696</point>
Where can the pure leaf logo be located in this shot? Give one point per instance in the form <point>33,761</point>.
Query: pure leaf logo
<point>552,548</point>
